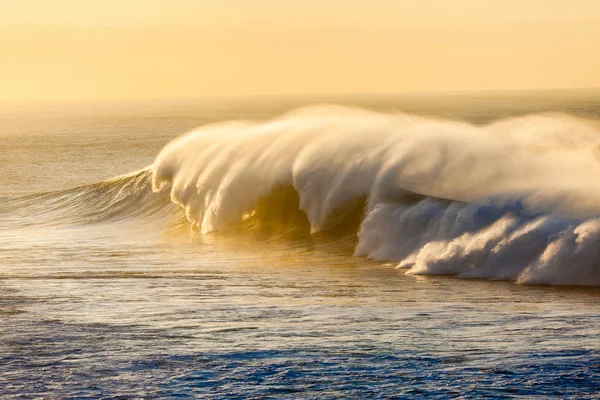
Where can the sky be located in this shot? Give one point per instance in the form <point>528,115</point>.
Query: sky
<point>120,49</point>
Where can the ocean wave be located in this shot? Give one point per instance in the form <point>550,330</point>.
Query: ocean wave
<point>513,200</point>
<point>121,199</point>
<point>516,199</point>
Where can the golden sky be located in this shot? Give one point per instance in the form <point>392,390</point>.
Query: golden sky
<point>103,49</point>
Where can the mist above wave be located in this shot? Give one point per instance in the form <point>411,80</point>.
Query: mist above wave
<point>515,199</point>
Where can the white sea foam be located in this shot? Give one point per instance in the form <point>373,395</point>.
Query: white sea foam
<point>516,199</point>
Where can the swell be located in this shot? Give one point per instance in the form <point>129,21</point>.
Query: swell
<point>127,198</point>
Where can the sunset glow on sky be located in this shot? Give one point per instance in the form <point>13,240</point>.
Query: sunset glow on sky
<point>70,49</point>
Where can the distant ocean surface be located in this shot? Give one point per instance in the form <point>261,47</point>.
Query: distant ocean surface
<point>397,246</point>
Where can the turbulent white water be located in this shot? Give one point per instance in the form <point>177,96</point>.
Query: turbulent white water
<point>516,199</point>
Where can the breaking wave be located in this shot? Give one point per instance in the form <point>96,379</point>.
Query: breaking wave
<point>517,199</point>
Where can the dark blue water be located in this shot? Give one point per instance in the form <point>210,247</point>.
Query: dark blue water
<point>59,369</point>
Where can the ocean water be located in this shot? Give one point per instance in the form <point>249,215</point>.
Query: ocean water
<point>415,246</point>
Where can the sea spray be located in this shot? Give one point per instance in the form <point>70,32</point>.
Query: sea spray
<point>515,199</point>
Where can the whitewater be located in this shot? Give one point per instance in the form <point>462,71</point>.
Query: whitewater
<point>401,247</point>
<point>515,199</point>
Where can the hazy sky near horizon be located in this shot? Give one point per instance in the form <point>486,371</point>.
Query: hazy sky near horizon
<point>99,49</point>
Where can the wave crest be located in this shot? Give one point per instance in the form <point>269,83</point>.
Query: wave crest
<point>515,199</point>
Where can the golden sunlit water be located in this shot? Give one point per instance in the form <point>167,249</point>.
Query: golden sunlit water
<point>108,291</point>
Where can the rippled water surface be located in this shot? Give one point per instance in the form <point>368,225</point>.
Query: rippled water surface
<point>95,305</point>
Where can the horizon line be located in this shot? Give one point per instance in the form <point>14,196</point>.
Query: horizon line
<point>88,100</point>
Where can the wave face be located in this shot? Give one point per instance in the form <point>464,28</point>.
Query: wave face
<point>516,199</point>
<point>127,199</point>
